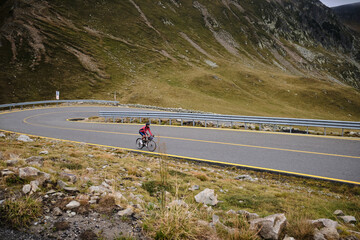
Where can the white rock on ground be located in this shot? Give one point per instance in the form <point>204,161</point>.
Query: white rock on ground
<point>330,233</point>
<point>6,172</point>
<point>338,213</point>
<point>11,162</point>
<point>269,227</point>
<point>207,197</point>
<point>68,176</point>
<point>323,222</point>
<point>35,161</point>
<point>248,215</point>
<point>45,152</point>
<point>28,172</point>
<point>57,211</point>
<point>34,186</point>
<point>246,177</point>
<point>126,212</point>
<point>73,204</point>
<point>231,212</point>
<point>24,138</point>
<point>348,219</point>
<point>288,238</point>
<point>2,135</point>
<point>26,188</point>
<point>99,189</point>
<point>195,187</point>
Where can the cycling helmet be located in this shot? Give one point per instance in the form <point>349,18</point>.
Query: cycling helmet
<point>147,124</point>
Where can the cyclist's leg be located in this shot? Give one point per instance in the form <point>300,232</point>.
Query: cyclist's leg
<point>142,136</point>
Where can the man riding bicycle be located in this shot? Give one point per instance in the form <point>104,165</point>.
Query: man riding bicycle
<point>143,131</point>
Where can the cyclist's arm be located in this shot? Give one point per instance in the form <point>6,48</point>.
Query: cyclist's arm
<point>150,132</point>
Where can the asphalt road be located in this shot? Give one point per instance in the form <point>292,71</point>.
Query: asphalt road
<point>323,157</point>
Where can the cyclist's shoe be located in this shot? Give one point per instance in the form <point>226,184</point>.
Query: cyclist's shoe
<point>141,142</point>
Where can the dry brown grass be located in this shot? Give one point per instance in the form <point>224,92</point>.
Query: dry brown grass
<point>299,227</point>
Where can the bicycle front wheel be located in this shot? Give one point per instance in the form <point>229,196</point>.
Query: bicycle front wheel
<point>151,146</point>
<point>139,144</point>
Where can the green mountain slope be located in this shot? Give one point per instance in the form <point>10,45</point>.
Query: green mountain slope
<point>251,57</point>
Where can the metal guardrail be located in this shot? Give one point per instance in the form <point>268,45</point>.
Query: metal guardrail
<point>232,119</point>
<point>21,105</point>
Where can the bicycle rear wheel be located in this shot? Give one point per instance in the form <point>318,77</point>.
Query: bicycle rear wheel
<point>139,145</point>
<point>151,145</point>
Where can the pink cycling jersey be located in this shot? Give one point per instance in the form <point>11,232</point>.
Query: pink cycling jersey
<point>144,129</point>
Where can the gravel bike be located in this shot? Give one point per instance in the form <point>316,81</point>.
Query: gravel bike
<point>148,143</point>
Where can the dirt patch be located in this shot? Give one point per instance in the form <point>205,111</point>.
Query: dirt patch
<point>223,37</point>
<point>87,62</point>
<point>147,22</point>
<point>197,47</point>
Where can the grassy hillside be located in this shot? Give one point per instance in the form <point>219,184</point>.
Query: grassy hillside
<point>248,57</point>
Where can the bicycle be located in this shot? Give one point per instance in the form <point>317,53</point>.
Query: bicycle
<point>148,143</point>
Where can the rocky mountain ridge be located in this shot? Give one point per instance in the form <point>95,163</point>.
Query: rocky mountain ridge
<point>349,15</point>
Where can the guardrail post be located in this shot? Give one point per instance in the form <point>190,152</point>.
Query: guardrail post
<point>113,119</point>
<point>307,130</point>
<point>290,129</point>
<point>342,132</point>
<point>205,123</point>
<point>159,121</point>
<point>10,108</point>
<point>217,124</point>
<point>325,131</point>
<point>245,126</point>
<point>140,119</point>
<point>21,107</point>
<point>260,126</point>
<point>231,124</point>
<point>130,120</point>
<point>122,120</point>
<point>105,119</point>
<point>193,123</point>
<point>33,106</point>
<point>170,121</point>
<point>181,122</point>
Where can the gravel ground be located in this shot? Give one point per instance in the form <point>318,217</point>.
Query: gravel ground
<point>8,234</point>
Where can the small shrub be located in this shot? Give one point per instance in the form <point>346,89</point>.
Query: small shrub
<point>21,212</point>
<point>300,228</point>
<point>240,229</point>
<point>134,171</point>
<point>156,186</point>
<point>202,177</point>
<point>14,180</point>
<point>72,166</point>
<point>175,222</point>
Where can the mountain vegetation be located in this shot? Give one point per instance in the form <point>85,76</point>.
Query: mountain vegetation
<point>249,57</point>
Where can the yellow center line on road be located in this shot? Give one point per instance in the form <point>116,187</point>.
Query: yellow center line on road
<point>194,140</point>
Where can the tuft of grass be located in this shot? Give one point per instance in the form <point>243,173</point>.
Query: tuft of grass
<point>236,227</point>
<point>14,180</point>
<point>134,171</point>
<point>72,166</point>
<point>175,222</point>
<point>201,176</point>
<point>153,187</point>
<point>299,227</point>
<point>21,212</point>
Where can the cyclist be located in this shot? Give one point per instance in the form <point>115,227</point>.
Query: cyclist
<point>143,131</point>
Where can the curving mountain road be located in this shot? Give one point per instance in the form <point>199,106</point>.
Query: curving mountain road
<point>314,156</point>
